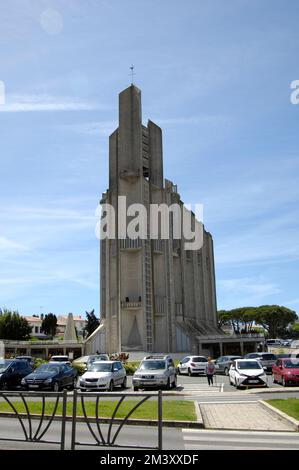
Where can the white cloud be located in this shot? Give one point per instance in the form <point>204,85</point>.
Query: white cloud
<point>30,103</point>
<point>10,245</point>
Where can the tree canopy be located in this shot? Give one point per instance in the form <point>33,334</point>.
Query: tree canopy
<point>273,318</point>
<point>92,323</point>
<point>13,326</point>
<point>49,324</point>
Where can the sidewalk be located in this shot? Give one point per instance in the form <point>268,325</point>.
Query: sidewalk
<point>241,416</point>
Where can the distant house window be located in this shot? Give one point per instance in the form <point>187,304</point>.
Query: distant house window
<point>36,329</point>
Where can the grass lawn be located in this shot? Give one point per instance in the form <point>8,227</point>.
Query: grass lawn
<point>172,409</point>
<point>290,406</point>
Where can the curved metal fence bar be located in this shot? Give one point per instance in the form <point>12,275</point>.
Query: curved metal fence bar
<point>112,418</point>
<point>88,423</point>
<point>17,415</point>
<point>127,417</point>
<point>51,418</point>
<point>28,416</point>
<point>35,437</point>
<point>98,420</point>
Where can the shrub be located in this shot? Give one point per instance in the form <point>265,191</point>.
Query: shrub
<point>79,367</point>
<point>130,368</point>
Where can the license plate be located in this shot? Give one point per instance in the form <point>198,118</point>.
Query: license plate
<point>33,386</point>
<point>253,381</point>
<point>148,382</point>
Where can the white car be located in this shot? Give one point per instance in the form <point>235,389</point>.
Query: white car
<point>61,359</point>
<point>193,365</point>
<point>104,375</point>
<point>247,373</point>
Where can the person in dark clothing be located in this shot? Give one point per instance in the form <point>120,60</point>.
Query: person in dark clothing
<point>210,371</point>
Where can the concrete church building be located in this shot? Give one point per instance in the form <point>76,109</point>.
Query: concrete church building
<point>155,295</point>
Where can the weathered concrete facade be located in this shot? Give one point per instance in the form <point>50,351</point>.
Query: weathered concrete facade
<point>155,295</point>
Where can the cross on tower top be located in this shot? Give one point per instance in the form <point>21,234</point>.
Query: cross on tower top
<point>132,74</point>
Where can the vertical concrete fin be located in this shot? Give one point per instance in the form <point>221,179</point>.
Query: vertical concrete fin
<point>113,154</point>
<point>156,154</point>
<point>130,132</point>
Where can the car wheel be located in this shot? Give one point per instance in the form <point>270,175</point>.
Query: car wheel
<point>4,386</point>
<point>136,389</point>
<point>284,382</point>
<point>226,371</point>
<point>111,386</point>
<point>124,384</point>
<point>56,387</point>
<point>189,372</point>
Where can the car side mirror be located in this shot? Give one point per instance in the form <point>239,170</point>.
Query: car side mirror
<point>180,363</point>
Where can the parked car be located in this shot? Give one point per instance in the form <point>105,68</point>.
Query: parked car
<point>155,372</point>
<point>247,373</point>
<point>51,376</point>
<point>266,359</point>
<point>62,359</point>
<point>192,365</point>
<point>286,371</point>
<point>29,359</point>
<point>95,358</point>
<point>223,363</point>
<point>104,375</point>
<point>295,344</point>
<point>12,372</point>
<point>273,342</point>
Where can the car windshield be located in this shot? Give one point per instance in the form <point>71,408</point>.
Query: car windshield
<point>60,359</point>
<point>291,364</point>
<point>268,357</point>
<point>103,367</point>
<point>53,368</point>
<point>248,365</point>
<point>102,357</point>
<point>4,365</point>
<point>199,359</point>
<point>153,365</point>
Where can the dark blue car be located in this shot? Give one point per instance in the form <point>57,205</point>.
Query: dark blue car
<point>53,376</point>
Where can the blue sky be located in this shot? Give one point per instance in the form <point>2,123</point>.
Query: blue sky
<point>214,75</point>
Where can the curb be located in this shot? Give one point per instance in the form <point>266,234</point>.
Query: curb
<point>280,415</point>
<point>130,422</point>
<point>273,390</point>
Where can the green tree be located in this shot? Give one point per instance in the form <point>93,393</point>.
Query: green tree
<point>49,325</point>
<point>13,326</point>
<point>275,319</point>
<point>92,323</point>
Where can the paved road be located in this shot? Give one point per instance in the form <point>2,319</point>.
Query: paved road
<point>197,439</point>
<point>129,435</point>
<point>173,439</point>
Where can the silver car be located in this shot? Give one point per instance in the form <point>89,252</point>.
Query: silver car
<point>155,372</point>
<point>223,363</point>
<point>104,375</point>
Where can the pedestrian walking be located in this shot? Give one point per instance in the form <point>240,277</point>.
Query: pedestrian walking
<point>210,371</point>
